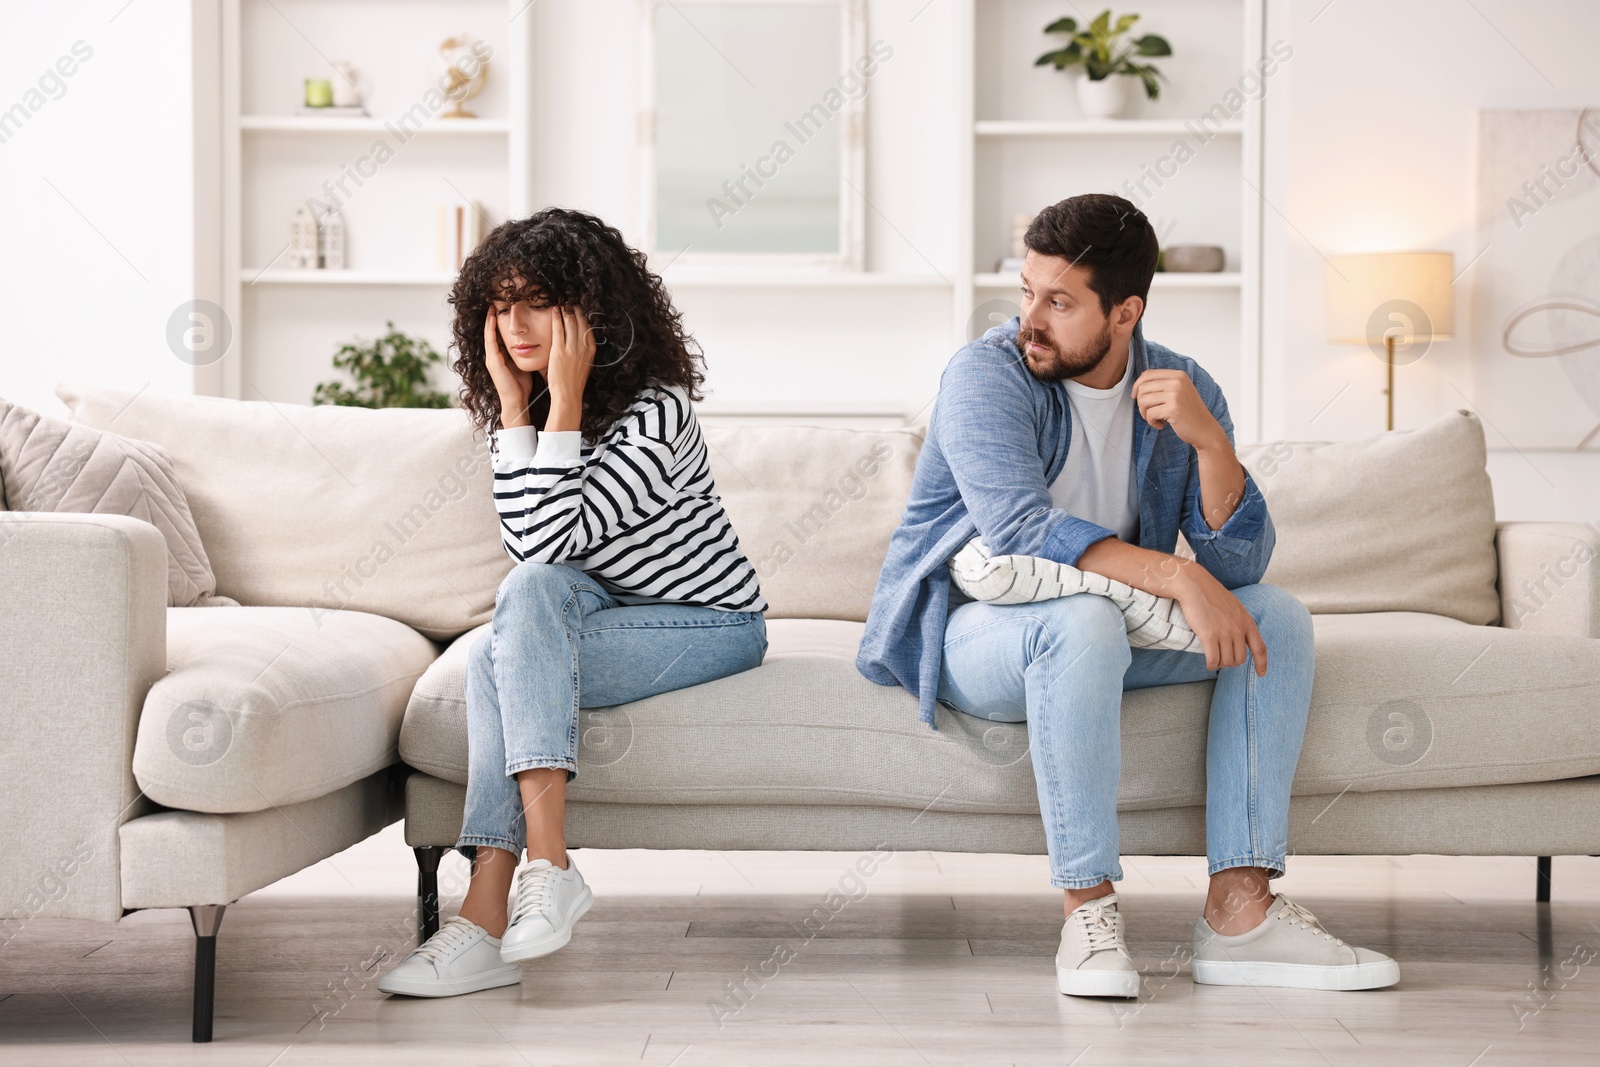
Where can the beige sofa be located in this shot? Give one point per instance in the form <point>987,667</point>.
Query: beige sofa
<point>160,757</point>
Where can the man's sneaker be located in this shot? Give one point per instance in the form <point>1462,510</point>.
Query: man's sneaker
<point>1093,961</point>
<point>1289,948</point>
<point>460,958</point>
<point>547,901</point>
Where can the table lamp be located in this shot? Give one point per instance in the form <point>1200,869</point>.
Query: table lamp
<point>1390,298</point>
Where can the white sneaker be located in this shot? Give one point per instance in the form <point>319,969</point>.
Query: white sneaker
<point>1289,948</point>
<point>546,902</point>
<point>1093,960</point>
<point>460,958</point>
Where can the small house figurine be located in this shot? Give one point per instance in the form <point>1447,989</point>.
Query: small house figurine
<point>303,239</point>
<point>330,237</point>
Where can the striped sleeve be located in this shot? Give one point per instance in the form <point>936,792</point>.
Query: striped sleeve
<point>554,503</point>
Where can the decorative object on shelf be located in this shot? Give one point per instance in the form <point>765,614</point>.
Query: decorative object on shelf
<point>319,93</point>
<point>330,236</point>
<point>461,54</point>
<point>1012,264</point>
<point>1192,259</point>
<point>303,239</point>
<point>1391,302</point>
<point>459,229</point>
<point>331,112</point>
<point>391,372</point>
<point>347,85</point>
<point>1107,66</point>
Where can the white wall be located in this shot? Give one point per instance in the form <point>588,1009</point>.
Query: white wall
<point>1371,145</point>
<point>1371,135</point>
<point>98,188</point>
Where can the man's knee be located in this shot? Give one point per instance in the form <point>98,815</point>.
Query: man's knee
<point>1083,623</point>
<point>1275,607</point>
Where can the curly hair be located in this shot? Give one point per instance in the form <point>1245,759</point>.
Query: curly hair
<point>570,258</point>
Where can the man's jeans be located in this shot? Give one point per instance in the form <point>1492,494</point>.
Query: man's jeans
<point>1063,665</point>
<point>558,643</point>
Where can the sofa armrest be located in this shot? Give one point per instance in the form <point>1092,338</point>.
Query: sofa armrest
<point>1549,577</point>
<point>83,635</point>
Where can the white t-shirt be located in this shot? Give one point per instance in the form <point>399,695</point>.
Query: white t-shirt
<point>1097,483</point>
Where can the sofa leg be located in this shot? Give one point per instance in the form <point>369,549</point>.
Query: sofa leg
<point>428,858</point>
<point>206,919</point>
<point>1541,885</point>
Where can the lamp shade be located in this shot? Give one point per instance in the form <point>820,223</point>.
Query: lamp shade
<point>1402,293</point>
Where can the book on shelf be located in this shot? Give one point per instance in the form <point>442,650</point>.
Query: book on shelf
<point>459,229</point>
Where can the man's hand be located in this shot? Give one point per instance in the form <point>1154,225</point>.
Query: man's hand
<point>1166,396</point>
<point>1224,626</point>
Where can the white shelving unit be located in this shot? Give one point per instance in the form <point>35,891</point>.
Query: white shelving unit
<point>1018,149</point>
<point>288,322</point>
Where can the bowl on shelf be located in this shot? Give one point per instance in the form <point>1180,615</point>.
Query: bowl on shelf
<point>1192,259</point>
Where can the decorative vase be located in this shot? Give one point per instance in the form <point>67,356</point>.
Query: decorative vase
<point>1103,99</point>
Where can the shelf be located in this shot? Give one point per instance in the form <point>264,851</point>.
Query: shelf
<point>293,276</point>
<point>1161,280</point>
<point>781,278</point>
<point>341,124</point>
<point>1102,128</point>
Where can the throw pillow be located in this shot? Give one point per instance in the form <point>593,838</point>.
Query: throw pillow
<point>1152,621</point>
<point>48,464</point>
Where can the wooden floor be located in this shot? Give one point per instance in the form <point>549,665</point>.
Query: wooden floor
<point>934,959</point>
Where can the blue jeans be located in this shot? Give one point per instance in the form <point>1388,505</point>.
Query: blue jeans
<point>1062,665</point>
<point>559,643</point>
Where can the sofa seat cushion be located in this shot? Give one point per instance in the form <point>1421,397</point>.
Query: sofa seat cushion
<point>266,706</point>
<point>1483,705</point>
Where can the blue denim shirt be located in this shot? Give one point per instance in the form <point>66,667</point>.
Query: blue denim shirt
<point>996,439</point>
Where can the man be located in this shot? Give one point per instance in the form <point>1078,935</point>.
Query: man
<point>1064,434</point>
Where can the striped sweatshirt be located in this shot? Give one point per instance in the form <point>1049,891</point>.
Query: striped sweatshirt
<point>637,511</point>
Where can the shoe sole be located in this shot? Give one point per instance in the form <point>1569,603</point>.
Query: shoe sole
<point>558,939</point>
<point>1097,983</point>
<point>502,976</point>
<point>1374,975</point>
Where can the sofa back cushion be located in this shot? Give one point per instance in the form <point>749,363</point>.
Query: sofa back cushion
<point>388,511</point>
<point>1402,521</point>
<point>814,508</point>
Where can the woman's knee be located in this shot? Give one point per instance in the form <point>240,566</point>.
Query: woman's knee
<point>530,579</point>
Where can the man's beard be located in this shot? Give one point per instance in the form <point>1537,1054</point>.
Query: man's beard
<point>1059,365</point>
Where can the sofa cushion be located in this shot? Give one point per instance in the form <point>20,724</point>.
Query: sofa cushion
<point>1400,521</point>
<point>1401,701</point>
<point>265,706</point>
<point>47,464</point>
<point>814,508</point>
<point>387,511</point>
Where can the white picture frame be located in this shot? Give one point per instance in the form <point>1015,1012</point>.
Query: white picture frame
<point>850,255</point>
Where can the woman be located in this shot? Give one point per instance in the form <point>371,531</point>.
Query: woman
<point>629,582</point>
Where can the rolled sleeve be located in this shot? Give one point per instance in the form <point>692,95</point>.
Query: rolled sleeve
<point>1071,537</point>
<point>1239,533</point>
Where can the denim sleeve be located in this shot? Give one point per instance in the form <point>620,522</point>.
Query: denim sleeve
<point>984,421</point>
<point>1237,553</point>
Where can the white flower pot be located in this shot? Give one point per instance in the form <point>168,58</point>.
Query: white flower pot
<point>1103,99</point>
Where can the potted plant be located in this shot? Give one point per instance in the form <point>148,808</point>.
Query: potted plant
<point>1106,61</point>
<point>391,372</point>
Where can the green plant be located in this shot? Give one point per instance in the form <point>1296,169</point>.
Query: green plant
<point>391,372</point>
<point>1095,49</point>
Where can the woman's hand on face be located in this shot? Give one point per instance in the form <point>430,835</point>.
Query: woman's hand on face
<point>571,355</point>
<point>514,384</point>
